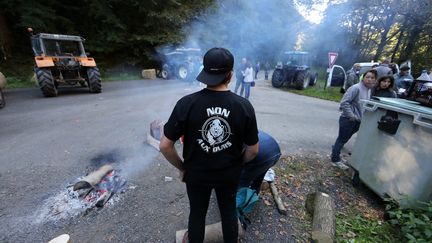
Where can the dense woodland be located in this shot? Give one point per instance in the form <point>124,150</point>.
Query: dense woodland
<point>130,32</point>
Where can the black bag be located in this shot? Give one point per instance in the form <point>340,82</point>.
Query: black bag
<point>253,84</point>
<point>342,90</point>
<point>389,123</point>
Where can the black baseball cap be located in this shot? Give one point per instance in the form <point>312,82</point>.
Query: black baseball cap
<point>217,63</point>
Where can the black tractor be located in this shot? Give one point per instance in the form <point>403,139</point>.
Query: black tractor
<point>62,60</point>
<point>294,71</point>
<point>181,63</point>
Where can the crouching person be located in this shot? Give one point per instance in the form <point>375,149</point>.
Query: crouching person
<point>254,171</point>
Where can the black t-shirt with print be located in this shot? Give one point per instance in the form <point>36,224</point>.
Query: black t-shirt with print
<point>215,125</point>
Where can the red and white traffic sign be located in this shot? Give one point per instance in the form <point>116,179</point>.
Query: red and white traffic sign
<point>332,56</point>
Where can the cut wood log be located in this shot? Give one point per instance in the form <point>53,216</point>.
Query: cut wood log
<point>155,134</point>
<point>324,222</point>
<point>149,73</point>
<point>213,233</point>
<point>93,178</point>
<point>280,206</point>
<point>152,141</point>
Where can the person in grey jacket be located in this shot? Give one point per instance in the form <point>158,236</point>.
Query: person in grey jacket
<point>352,76</point>
<point>384,69</point>
<point>352,112</point>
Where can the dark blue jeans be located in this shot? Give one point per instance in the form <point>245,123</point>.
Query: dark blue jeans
<point>239,84</point>
<point>247,87</point>
<point>346,129</point>
<point>253,173</point>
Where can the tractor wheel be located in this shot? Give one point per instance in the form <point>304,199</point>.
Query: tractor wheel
<point>46,82</point>
<point>277,78</point>
<point>165,73</point>
<point>182,72</point>
<point>313,79</point>
<point>94,80</point>
<point>2,99</point>
<point>302,80</point>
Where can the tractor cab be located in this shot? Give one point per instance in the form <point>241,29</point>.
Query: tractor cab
<point>298,59</point>
<point>62,60</point>
<point>294,71</point>
<point>57,45</point>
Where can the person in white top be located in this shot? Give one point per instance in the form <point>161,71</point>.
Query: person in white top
<point>248,79</point>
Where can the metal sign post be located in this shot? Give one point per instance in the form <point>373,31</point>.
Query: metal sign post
<point>332,56</point>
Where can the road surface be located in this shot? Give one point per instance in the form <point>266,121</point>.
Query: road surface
<point>47,143</point>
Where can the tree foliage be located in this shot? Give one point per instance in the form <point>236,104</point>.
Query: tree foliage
<point>130,31</point>
<point>377,29</point>
<point>126,30</point>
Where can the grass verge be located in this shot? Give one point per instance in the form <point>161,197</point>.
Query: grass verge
<point>318,91</point>
<point>16,82</point>
<point>354,227</point>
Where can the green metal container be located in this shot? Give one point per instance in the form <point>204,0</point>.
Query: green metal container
<point>393,150</point>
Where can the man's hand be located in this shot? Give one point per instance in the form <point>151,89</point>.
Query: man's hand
<point>182,175</point>
<point>250,152</point>
<point>168,150</point>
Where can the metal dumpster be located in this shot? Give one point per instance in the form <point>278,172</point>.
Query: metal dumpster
<point>393,150</point>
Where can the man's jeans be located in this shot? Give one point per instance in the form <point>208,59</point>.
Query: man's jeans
<point>239,84</point>
<point>346,129</point>
<point>247,87</point>
<point>253,174</point>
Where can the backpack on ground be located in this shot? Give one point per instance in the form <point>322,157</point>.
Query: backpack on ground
<point>246,199</point>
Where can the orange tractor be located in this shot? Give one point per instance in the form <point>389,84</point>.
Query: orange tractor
<point>62,60</point>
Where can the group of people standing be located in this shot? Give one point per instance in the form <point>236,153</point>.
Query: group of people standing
<point>379,82</point>
<point>244,78</point>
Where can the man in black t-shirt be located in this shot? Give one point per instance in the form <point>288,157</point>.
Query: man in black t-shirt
<point>220,134</point>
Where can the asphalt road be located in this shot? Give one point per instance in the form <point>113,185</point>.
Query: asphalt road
<point>47,143</point>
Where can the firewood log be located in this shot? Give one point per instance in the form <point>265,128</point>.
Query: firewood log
<point>280,206</point>
<point>93,178</point>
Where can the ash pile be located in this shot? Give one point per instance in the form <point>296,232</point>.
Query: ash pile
<point>94,191</point>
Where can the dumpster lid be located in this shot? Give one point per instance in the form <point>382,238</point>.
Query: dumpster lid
<point>404,104</point>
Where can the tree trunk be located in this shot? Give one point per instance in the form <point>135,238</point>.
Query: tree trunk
<point>388,23</point>
<point>396,48</point>
<point>5,37</point>
<point>358,41</point>
<point>412,39</point>
<point>324,221</point>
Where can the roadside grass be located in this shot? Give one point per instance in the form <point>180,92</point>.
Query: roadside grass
<point>120,77</point>
<point>16,82</point>
<point>318,91</point>
<point>354,227</point>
